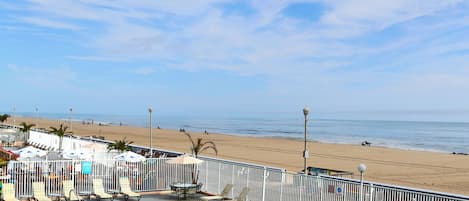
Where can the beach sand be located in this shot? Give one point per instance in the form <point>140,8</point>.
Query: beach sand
<point>427,170</point>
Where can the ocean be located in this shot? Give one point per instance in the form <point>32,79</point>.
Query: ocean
<point>426,131</point>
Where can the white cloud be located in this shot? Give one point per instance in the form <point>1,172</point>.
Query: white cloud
<point>96,58</point>
<point>49,23</point>
<point>196,35</point>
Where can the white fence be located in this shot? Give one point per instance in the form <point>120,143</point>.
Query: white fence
<point>265,183</point>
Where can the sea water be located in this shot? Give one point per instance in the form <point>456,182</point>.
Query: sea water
<point>429,131</point>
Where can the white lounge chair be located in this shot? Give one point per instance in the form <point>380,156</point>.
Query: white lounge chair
<point>221,196</point>
<point>9,192</point>
<point>99,191</point>
<point>39,192</point>
<point>125,188</point>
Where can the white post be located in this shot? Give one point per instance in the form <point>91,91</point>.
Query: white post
<point>70,120</point>
<point>361,169</point>
<point>14,116</point>
<point>281,185</point>
<point>37,117</point>
<point>361,186</point>
<point>371,192</point>
<point>264,184</point>
<point>305,152</point>
<point>320,187</point>
<point>219,175</point>
<point>247,177</point>
<point>206,176</point>
<point>150,110</point>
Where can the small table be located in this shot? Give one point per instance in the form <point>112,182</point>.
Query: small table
<point>185,189</point>
<point>26,197</point>
<point>56,196</point>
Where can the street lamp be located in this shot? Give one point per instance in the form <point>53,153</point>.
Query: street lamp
<point>305,152</point>
<point>37,117</point>
<point>70,119</point>
<point>14,115</point>
<point>361,168</point>
<point>150,110</point>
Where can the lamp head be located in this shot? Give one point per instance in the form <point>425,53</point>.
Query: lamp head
<point>306,111</point>
<point>150,109</point>
<point>361,168</point>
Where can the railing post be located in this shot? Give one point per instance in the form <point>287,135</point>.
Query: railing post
<point>157,168</point>
<point>372,189</point>
<point>281,185</point>
<point>264,184</point>
<point>206,176</point>
<point>301,186</point>
<point>320,187</point>
<point>219,175</point>
<point>247,177</point>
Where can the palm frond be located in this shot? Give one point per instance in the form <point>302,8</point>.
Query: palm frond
<point>190,138</point>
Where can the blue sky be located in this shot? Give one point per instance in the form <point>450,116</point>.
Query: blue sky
<point>240,57</point>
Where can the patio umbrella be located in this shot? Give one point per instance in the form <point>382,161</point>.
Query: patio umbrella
<point>9,130</point>
<point>94,147</point>
<point>185,159</point>
<point>30,152</point>
<point>76,154</point>
<point>129,156</point>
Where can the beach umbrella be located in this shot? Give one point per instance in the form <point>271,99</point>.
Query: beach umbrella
<point>129,156</point>
<point>94,147</point>
<point>76,154</point>
<point>185,159</point>
<point>8,131</point>
<point>30,152</point>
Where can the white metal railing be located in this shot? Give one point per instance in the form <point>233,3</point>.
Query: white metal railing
<point>265,183</point>
<point>151,175</point>
<point>155,174</point>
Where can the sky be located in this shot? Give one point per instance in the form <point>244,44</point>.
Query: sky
<point>234,57</point>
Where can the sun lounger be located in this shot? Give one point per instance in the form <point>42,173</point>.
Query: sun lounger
<point>99,191</point>
<point>243,195</point>
<point>9,192</point>
<point>69,191</point>
<point>221,196</point>
<point>125,188</point>
<point>39,192</point>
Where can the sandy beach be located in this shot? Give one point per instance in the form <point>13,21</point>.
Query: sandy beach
<point>428,170</point>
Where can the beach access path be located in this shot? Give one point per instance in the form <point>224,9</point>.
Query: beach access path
<point>428,170</point>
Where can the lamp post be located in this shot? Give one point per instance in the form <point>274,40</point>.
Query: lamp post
<point>14,115</point>
<point>37,117</point>
<point>361,168</point>
<point>70,119</point>
<point>305,152</point>
<point>150,110</point>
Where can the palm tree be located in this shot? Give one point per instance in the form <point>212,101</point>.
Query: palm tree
<point>61,131</point>
<point>25,128</point>
<point>200,145</point>
<point>120,145</point>
<point>197,148</point>
<point>4,117</point>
